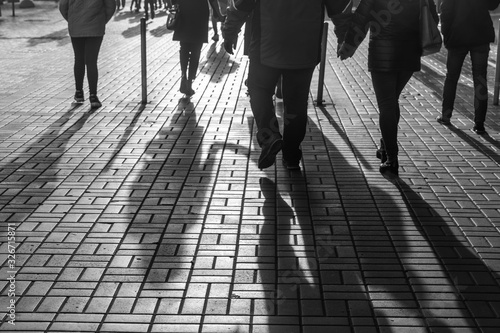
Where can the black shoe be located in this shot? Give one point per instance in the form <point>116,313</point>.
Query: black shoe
<point>95,103</point>
<point>79,97</point>
<point>269,152</point>
<point>291,165</point>
<point>443,120</point>
<point>381,153</point>
<point>479,128</point>
<point>389,168</point>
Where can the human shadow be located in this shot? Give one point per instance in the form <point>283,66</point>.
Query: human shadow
<point>489,152</point>
<point>469,293</point>
<point>60,36</point>
<point>125,137</point>
<point>217,58</point>
<point>29,179</point>
<point>382,258</point>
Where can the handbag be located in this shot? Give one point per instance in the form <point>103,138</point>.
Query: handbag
<point>430,36</point>
<point>173,17</point>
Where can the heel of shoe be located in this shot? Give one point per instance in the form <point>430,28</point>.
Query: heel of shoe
<point>381,153</point>
<point>389,168</point>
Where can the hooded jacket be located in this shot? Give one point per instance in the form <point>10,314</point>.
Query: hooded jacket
<point>285,33</point>
<point>87,18</point>
<point>467,22</point>
<point>394,43</point>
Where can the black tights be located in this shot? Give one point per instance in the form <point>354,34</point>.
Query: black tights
<point>190,57</point>
<point>86,52</point>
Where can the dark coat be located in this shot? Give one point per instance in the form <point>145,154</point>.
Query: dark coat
<point>467,22</point>
<point>193,21</point>
<point>87,18</point>
<point>285,33</point>
<point>394,43</point>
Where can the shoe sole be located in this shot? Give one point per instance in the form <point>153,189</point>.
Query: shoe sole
<point>270,158</point>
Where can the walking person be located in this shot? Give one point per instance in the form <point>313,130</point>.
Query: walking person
<point>86,25</point>
<point>285,40</point>
<point>218,16</point>
<point>394,54</point>
<point>467,29</point>
<point>191,33</point>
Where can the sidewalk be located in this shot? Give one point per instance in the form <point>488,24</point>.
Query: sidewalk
<point>156,218</point>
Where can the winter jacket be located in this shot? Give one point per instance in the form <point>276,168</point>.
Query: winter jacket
<point>193,21</point>
<point>87,18</point>
<point>394,43</point>
<point>467,22</point>
<point>285,33</point>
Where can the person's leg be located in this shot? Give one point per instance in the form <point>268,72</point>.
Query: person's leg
<point>184,61</point>
<point>295,87</point>
<point>194,61</point>
<point>261,84</point>
<point>454,63</point>
<point>92,47</point>
<point>479,59</point>
<point>388,87</point>
<point>79,64</point>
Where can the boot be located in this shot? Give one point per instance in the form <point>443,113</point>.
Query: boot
<point>189,90</point>
<point>183,87</point>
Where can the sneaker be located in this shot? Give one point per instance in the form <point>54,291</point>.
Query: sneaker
<point>479,128</point>
<point>79,97</point>
<point>269,152</point>
<point>95,103</point>
<point>291,165</point>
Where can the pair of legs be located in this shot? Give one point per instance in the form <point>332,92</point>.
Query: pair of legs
<point>86,51</point>
<point>388,87</point>
<point>262,82</point>
<point>189,60</point>
<point>479,59</point>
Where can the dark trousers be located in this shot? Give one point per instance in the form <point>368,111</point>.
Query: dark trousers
<point>190,59</point>
<point>86,51</point>
<point>262,82</point>
<point>388,87</point>
<point>479,59</point>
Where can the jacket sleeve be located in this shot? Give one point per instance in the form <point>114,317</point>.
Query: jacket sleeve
<point>63,8</point>
<point>236,17</point>
<point>340,12</point>
<point>360,24</point>
<point>493,4</point>
<point>447,14</point>
<point>110,7</point>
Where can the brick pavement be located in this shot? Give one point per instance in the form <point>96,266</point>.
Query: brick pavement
<point>156,218</point>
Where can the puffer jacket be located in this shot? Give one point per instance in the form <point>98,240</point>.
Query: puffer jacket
<point>394,43</point>
<point>87,18</point>
<point>285,33</point>
<point>467,22</point>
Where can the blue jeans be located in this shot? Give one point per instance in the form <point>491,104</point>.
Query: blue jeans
<point>479,59</point>
<point>388,87</point>
<point>262,82</point>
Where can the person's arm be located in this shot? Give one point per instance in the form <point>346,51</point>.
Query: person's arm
<point>110,7</point>
<point>63,8</point>
<point>447,15</point>
<point>493,4</point>
<point>340,12</point>
<point>236,17</point>
<point>358,29</point>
